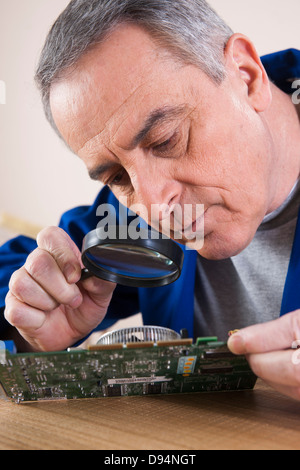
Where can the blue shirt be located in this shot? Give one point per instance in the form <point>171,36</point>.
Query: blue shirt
<point>170,306</point>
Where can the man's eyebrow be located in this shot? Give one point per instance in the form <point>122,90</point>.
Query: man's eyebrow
<point>98,171</point>
<point>159,116</point>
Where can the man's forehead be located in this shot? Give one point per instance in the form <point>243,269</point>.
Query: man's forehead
<point>123,73</point>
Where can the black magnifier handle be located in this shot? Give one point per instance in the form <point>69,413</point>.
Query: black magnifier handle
<point>86,274</point>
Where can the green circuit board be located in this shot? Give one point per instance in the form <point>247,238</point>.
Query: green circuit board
<point>124,370</point>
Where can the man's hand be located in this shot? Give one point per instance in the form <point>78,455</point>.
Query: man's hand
<point>47,303</point>
<point>271,349</point>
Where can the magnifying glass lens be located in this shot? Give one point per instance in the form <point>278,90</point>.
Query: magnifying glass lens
<point>148,261</point>
<point>134,262</point>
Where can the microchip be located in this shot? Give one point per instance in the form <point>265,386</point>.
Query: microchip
<point>186,365</point>
<point>153,389</point>
<point>47,392</point>
<point>114,391</point>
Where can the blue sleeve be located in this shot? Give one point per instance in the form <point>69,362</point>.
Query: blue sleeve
<point>77,223</point>
<point>12,257</point>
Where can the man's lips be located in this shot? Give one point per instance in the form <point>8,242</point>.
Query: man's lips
<point>185,223</point>
<point>196,226</point>
<point>191,230</point>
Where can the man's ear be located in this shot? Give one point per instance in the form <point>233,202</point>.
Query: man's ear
<point>243,62</point>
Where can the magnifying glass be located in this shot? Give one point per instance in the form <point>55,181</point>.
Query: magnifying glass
<point>151,260</point>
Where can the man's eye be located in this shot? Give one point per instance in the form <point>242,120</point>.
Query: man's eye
<point>163,145</point>
<point>170,147</point>
<point>119,179</point>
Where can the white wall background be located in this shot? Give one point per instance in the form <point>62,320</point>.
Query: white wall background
<point>39,177</point>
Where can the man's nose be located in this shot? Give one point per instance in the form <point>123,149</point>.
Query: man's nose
<point>158,192</point>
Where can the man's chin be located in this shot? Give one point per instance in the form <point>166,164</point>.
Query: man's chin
<point>216,249</point>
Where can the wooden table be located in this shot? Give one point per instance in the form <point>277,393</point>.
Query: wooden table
<point>259,419</point>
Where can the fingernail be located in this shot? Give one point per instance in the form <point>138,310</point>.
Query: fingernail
<point>236,344</point>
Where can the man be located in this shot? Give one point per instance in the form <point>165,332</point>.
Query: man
<point>165,105</point>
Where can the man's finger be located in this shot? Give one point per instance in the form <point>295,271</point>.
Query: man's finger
<point>42,267</point>
<point>22,316</point>
<point>100,291</point>
<point>66,254</point>
<point>25,289</point>
<point>292,392</point>
<point>281,367</point>
<point>276,335</point>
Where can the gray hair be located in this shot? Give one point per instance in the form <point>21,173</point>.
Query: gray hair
<point>190,29</point>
